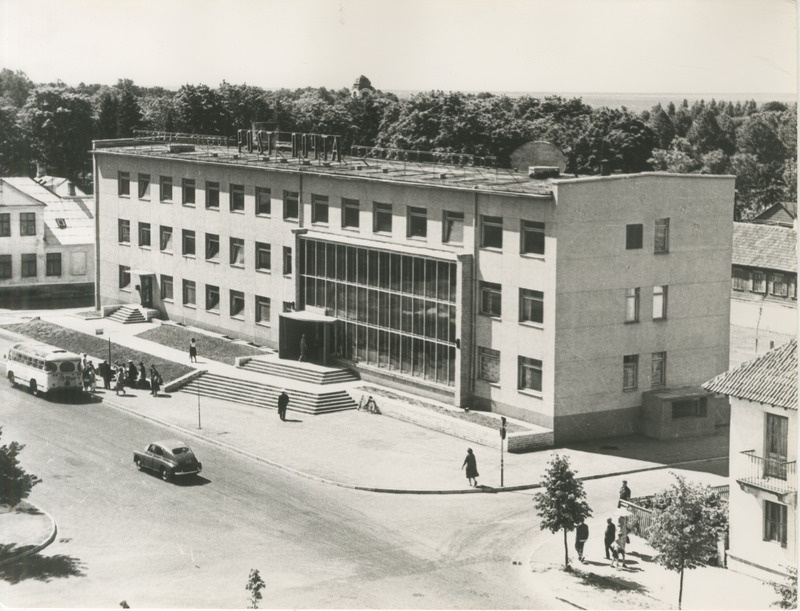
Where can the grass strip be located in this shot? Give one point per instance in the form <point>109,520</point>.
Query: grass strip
<point>208,347</point>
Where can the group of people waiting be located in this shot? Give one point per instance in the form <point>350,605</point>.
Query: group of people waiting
<point>614,539</point>
<point>120,375</point>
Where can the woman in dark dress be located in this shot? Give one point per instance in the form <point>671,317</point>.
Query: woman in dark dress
<point>472,467</point>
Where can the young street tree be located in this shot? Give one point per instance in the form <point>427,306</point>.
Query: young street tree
<point>688,520</point>
<point>254,585</point>
<point>562,504</point>
<point>15,483</point>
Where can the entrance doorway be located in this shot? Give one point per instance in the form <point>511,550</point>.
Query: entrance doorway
<point>307,333</point>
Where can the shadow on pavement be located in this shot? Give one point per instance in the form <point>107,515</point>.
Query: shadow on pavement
<point>42,568</point>
<point>617,584</point>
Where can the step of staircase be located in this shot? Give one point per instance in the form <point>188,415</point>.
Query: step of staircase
<point>314,374</point>
<point>127,315</point>
<point>264,395</point>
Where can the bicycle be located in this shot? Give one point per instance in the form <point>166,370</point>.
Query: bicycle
<point>368,404</point>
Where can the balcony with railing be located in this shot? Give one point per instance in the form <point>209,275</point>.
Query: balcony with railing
<point>775,476</point>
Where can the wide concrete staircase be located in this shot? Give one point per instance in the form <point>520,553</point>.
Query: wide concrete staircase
<point>261,394</point>
<point>306,372</point>
<point>127,315</point>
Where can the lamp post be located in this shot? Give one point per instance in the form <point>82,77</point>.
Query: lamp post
<point>502,437</point>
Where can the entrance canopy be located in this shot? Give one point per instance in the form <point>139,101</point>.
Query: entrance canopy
<point>308,316</point>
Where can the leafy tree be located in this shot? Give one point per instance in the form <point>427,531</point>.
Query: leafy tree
<point>787,590</point>
<point>562,504</point>
<point>706,134</point>
<point>14,87</point>
<point>241,105</point>
<point>197,110</point>
<point>106,126</point>
<point>14,150</point>
<point>662,126</point>
<point>758,136</point>
<point>16,483</point>
<point>617,137</point>
<point>688,520</point>
<point>254,585</point>
<point>129,113</point>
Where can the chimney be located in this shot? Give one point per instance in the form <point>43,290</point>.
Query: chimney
<point>41,169</point>
<point>71,188</point>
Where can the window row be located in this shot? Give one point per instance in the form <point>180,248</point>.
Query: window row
<point>29,266</point>
<point>632,298</point>
<point>27,224</point>
<point>531,303</point>
<point>630,369</point>
<point>634,236</point>
<point>763,283</point>
<point>529,371</point>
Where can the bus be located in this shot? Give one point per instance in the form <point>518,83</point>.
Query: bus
<point>43,368</point>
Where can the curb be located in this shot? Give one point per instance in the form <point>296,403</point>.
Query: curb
<point>36,548</point>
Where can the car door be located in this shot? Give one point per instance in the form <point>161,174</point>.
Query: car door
<point>151,456</point>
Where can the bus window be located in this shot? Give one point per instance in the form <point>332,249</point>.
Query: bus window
<point>51,367</point>
<point>67,366</point>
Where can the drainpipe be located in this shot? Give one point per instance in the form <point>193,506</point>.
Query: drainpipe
<point>97,303</point>
<point>475,296</point>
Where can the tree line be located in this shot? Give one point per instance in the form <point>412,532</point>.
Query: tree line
<point>55,124</point>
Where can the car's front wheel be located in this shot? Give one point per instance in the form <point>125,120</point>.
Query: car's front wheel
<point>139,464</point>
<point>164,474</point>
<point>34,388</point>
<point>11,378</point>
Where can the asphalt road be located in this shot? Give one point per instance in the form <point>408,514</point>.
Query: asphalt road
<point>126,535</point>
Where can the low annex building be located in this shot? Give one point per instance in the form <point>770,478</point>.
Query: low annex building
<point>556,300</point>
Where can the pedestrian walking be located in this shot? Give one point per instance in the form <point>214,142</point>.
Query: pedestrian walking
<point>581,535</point>
<point>193,350</point>
<point>132,374</point>
<point>303,347</point>
<point>610,535</point>
<point>622,540</point>
<point>283,402</point>
<point>155,381</point>
<point>142,381</point>
<point>614,554</point>
<point>89,378</point>
<point>119,380</point>
<point>471,463</point>
<point>84,361</point>
<point>624,491</point>
<point>104,369</point>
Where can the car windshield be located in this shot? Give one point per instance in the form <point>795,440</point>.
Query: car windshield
<point>183,450</point>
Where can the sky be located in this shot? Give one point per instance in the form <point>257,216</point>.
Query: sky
<point>559,46</point>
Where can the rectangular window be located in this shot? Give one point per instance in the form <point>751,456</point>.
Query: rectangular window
<point>124,277</point>
<point>779,286</point>
<point>263,256</point>
<point>237,252</point>
<point>661,243</point>
<point>491,299</point>
<point>212,194</point>
<point>165,238</point>
<point>776,445</point>
<point>491,231</point>
<point>659,302</point>
<point>237,304</point>
<point>632,305</point>
<point>351,212</point>
<point>741,281</point>
<point>166,288</point>
<point>291,205</point>
<point>237,198</point>
<point>5,266</point>
<point>28,269</point>
<point>381,218</point>
<point>189,293</point>
<point>659,373</point>
<point>212,247</point>
<point>144,186</point>
<point>124,231</point>
<point>775,522</point>
<point>630,372</point>
<point>165,189</point>
<point>532,238</point>
<point>633,236</point>
<point>319,209</point>
<point>5,225</point>
<point>124,184</point>
<point>453,227</point>
<point>144,234</point>
<point>263,201</point>
<point>531,306</point>
<point>530,374</point>
<point>287,260</point>
<point>188,192</point>
<point>189,246</point>
<point>417,222</point>
<point>212,298</point>
<point>53,264</point>
<point>489,364</point>
<point>262,310</point>
<point>759,283</point>
<point>694,407</point>
<point>27,223</point>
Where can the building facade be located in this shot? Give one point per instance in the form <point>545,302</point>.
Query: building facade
<point>557,301</point>
<point>763,459</point>
<point>46,245</point>
<point>763,289</point>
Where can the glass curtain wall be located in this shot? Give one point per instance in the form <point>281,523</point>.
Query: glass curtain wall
<point>396,311</point>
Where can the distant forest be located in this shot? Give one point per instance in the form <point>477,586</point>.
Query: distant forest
<point>55,124</point>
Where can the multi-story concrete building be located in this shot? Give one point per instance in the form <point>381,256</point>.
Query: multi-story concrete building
<point>557,301</point>
<point>46,245</point>
<point>763,461</point>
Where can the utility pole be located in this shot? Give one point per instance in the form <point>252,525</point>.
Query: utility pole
<point>109,350</point>
<point>502,437</point>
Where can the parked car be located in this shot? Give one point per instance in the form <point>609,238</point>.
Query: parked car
<point>168,458</point>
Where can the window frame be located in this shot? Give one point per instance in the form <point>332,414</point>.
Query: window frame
<point>488,356</point>
<point>488,291</point>
<point>450,220</point>
<point>167,288</point>
<point>263,197</point>
<point>210,239</point>
<point>658,370</point>
<point>6,267</point>
<point>492,223</point>
<point>236,201</point>
<point>320,209</point>
<point>53,262</point>
<point>188,243</point>
<point>27,224</point>
<point>381,213</point>
<point>143,186</point>
<point>778,280</point>
<point>634,236</point>
<point>235,299</point>
<point>123,231</point>
<point>740,279</point>
<point>124,278</point>
<point>212,195</point>
<point>533,297</point>
<point>28,264</point>
<point>188,286</point>
<point>630,372</point>
<point>415,215</point>
<point>759,282</point>
<point>123,184</point>
<point>349,206</point>
<point>291,205</point>
<point>263,248</point>
<point>145,230</point>
<point>5,224</point>
<point>532,229</point>
<point>165,231</point>
<point>165,189</point>
<point>661,236</point>
<point>260,303</point>
<point>525,364</point>
<point>632,304</point>
<point>660,313</point>
<point>212,291</point>
<point>236,251</point>
<point>769,523</point>
<point>287,261</point>
<point>188,187</point>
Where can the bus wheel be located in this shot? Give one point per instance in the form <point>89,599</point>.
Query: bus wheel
<point>34,388</point>
<point>11,378</point>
